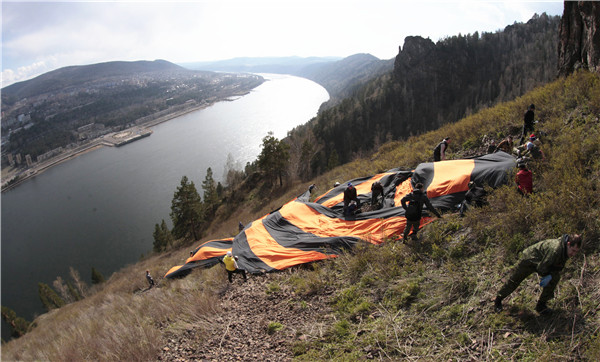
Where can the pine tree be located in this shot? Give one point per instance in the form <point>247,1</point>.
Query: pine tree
<point>211,199</point>
<point>18,325</point>
<point>159,242</point>
<point>73,292</point>
<point>163,239</point>
<point>49,298</point>
<point>97,277</point>
<point>186,210</point>
<point>274,158</point>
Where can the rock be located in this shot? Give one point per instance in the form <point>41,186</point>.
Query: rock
<point>579,37</point>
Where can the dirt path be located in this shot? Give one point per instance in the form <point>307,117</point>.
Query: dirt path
<point>240,329</point>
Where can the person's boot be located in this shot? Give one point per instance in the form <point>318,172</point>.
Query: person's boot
<point>542,308</point>
<point>498,305</point>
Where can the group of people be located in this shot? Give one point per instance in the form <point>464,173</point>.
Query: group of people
<point>546,258</point>
<point>529,149</point>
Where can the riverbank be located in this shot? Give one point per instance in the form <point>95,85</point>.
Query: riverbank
<point>16,176</point>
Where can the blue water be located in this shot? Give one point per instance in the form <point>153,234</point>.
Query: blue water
<point>99,209</point>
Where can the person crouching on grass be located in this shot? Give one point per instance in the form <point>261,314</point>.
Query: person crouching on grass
<point>547,258</point>
<point>231,266</point>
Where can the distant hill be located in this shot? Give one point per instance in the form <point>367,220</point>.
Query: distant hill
<point>339,76</point>
<point>431,84</point>
<point>59,79</point>
<point>47,112</point>
<point>278,65</point>
<point>343,77</point>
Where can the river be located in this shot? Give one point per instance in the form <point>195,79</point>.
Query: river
<point>99,209</point>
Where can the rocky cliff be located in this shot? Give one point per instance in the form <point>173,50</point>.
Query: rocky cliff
<point>579,33</point>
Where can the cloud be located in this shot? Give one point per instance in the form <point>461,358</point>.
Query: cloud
<point>10,76</point>
<point>54,34</point>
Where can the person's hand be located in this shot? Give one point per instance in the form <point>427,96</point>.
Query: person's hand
<point>545,280</point>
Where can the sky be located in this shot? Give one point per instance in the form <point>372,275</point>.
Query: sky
<point>41,36</point>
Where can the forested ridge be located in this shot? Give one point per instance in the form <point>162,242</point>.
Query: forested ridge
<point>432,84</point>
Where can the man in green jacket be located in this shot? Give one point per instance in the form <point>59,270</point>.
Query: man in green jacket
<point>547,258</point>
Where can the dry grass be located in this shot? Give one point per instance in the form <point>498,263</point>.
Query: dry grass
<point>427,301</point>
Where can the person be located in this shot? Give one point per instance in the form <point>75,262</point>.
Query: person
<point>311,188</point>
<point>528,122</point>
<point>232,267</point>
<point>149,279</point>
<point>524,180</point>
<point>240,226</point>
<point>505,145</point>
<point>376,191</point>
<point>414,210</point>
<point>350,195</point>
<point>531,147</point>
<point>492,147</point>
<point>439,152</point>
<point>547,258</point>
<point>475,196</point>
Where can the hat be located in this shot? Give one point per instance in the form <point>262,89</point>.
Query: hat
<point>336,184</point>
<point>349,184</point>
<point>471,184</point>
<point>229,253</point>
<point>532,136</point>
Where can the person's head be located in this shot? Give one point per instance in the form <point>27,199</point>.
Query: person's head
<point>574,242</point>
<point>147,271</point>
<point>350,185</point>
<point>471,184</point>
<point>509,138</point>
<point>447,139</point>
<point>531,107</point>
<point>532,137</point>
<point>229,253</point>
<point>419,186</point>
<point>522,166</point>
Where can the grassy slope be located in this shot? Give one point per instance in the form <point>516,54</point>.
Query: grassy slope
<point>429,299</point>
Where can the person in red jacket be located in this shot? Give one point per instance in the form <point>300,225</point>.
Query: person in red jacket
<point>524,180</point>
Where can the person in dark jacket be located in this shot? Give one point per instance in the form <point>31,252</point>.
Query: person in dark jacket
<point>547,258</point>
<point>413,204</point>
<point>439,152</point>
<point>376,191</point>
<point>528,122</point>
<point>475,196</point>
<point>350,195</point>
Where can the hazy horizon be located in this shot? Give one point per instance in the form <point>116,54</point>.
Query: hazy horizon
<point>38,37</point>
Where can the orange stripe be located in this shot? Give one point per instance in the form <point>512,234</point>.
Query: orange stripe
<point>403,189</point>
<point>450,177</point>
<point>173,269</point>
<point>274,255</point>
<point>207,252</point>
<point>313,222</point>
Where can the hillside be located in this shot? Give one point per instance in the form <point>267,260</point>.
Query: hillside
<point>68,107</point>
<point>432,84</point>
<point>425,300</point>
<point>338,76</point>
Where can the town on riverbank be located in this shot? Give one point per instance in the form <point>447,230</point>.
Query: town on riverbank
<point>20,170</point>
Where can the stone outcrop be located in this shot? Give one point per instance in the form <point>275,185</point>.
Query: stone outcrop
<point>579,34</point>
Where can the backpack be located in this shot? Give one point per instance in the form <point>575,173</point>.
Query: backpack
<point>413,210</point>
